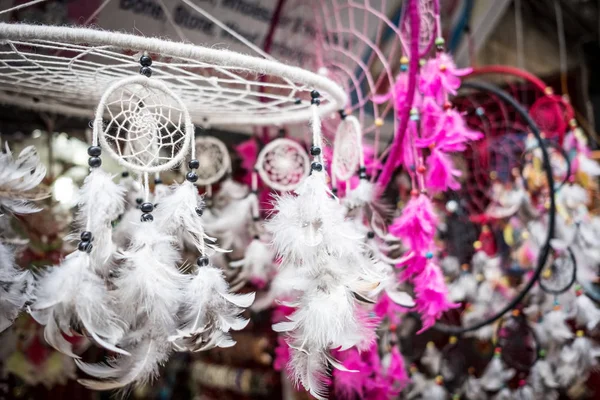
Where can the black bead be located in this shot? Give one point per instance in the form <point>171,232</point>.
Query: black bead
<point>94,151</point>
<point>314,94</point>
<point>158,181</point>
<point>370,234</point>
<point>94,162</point>
<point>88,248</point>
<point>86,236</point>
<point>139,200</point>
<point>125,174</point>
<point>146,218</point>
<point>362,169</point>
<point>202,261</point>
<point>255,219</point>
<point>334,190</point>
<point>147,207</point>
<point>145,60</point>
<point>191,177</point>
<point>193,164</point>
<point>199,211</point>
<point>316,166</point>
<point>146,71</point>
<point>315,151</point>
<point>297,100</point>
<point>315,101</point>
<point>342,114</point>
<point>82,245</point>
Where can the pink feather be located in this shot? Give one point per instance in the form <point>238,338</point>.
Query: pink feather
<point>440,76</point>
<point>431,295</point>
<point>416,226</point>
<point>441,174</point>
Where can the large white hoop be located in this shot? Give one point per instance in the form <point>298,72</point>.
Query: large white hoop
<point>61,68</point>
<point>145,119</point>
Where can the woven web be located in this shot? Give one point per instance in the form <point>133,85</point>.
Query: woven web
<point>144,127</point>
<point>346,151</point>
<point>67,70</point>
<point>355,44</point>
<point>214,160</point>
<point>282,164</point>
<point>427,31</point>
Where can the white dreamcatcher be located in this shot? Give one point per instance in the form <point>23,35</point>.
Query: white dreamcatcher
<point>129,294</point>
<point>282,164</point>
<point>214,160</point>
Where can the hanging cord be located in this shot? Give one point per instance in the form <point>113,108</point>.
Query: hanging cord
<point>227,29</point>
<point>545,248</point>
<point>562,47</point>
<point>519,34</point>
<point>20,6</point>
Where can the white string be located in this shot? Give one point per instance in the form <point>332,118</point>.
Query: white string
<point>317,134</point>
<point>20,6</point>
<point>562,47</point>
<point>172,22</point>
<point>146,187</point>
<point>519,33</point>
<point>96,12</point>
<point>218,86</point>
<point>228,30</point>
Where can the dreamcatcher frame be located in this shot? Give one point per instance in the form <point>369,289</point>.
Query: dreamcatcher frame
<point>87,41</point>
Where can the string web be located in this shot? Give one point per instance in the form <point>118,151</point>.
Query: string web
<point>143,125</point>
<point>282,164</point>
<point>355,44</point>
<point>67,69</point>
<point>214,160</point>
<point>346,150</point>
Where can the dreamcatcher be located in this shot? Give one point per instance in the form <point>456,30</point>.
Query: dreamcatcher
<point>132,295</point>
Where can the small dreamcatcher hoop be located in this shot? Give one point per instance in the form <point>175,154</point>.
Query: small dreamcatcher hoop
<point>148,130</point>
<point>347,149</point>
<point>214,160</point>
<point>428,14</point>
<point>560,273</point>
<point>282,164</point>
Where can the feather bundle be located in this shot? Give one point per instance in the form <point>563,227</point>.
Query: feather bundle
<point>312,236</point>
<point>257,264</point>
<point>210,312</point>
<point>72,297</point>
<point>18,180</point>
<point>101,201</point>
<point>496,375</point>
<point>149,291</point>
<point>16,287</point>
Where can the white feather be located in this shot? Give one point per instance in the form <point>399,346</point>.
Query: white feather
<point>308,370</point>
<point>257,263</point>
<point>100,202</point>
<point>73,294</point>
<point>432,359</point>
<point>16,287</point>
<point>433,391</point>
<point>542,376</point>
<point>149,286</point>
<point>588,314</point>
<point>140,368</point>
<point>556,328</point>
<point>209,309</point>
<point>176,214</point>
<point>17,178</point>
<point>496,375</point>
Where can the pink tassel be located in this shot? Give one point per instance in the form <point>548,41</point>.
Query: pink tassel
<point>440,76</point>
<point>441,174</point>
<point>451,134</point>
<point>416,226</point>
<point>397,371</point>
<point>350,385</point>
<point>431,295</point>
<point>386,308</point>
